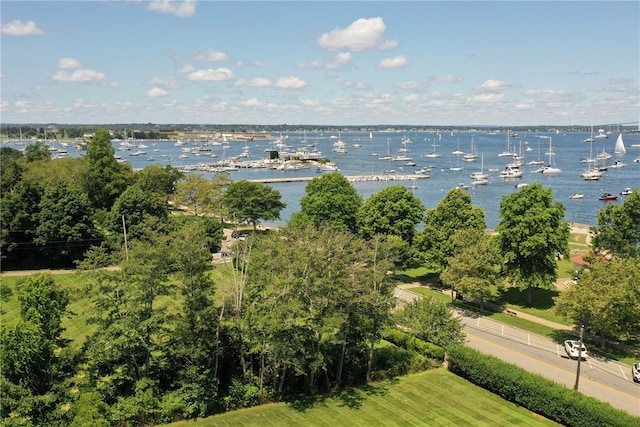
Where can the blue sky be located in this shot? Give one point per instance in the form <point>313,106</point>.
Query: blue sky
<point>330,62</point>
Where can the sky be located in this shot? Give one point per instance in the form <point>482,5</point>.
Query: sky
<point>455,63</point>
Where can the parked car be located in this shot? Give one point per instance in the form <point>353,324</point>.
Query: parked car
<point>572,348</point>
<point>635,371</point>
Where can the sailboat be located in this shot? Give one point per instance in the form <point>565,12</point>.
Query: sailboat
<point>551,168</point>
<point>619,149</point>
<point>472,155</point>
<point>507,152</point>
<point>433,154</point>
<point>589,159</point>
<point>480,177</point>
<point>458,151</point>
<point>388,156</point>
<point>539,160</point>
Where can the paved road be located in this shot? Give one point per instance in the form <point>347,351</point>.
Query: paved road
<point>603,379</point>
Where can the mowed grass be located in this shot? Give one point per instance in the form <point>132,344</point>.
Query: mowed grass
<point>80,309</point>
<point>432,398</point>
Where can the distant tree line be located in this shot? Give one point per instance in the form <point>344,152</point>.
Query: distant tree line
<point>298,311</point>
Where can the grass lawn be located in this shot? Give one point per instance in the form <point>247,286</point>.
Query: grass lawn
<point>432,398</point>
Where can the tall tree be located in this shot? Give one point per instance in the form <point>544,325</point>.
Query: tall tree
<point>252,201</point>
<point>42,305</point>
<point>453,213</point>
<point>198,194</point>
<point>532,233</point>
<point>475,267</point>
<point>393,210</point>
<point>330,200</point>
<point>432,321</point>
<point>606,298</point>
<point>618,229</point>
<point>105,178</point>
<point>65,224</point>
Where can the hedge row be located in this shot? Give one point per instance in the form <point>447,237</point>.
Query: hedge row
<point>409,342</point>
<point>545,397</point>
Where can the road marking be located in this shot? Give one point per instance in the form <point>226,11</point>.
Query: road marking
<point>625,377</point>
<point>582,378</point>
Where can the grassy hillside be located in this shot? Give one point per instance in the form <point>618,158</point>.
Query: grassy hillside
<point>433,398</point>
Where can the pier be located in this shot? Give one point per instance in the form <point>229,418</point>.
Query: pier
<point>350,178</point>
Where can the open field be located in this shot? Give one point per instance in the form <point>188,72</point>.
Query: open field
<point>432,398</point>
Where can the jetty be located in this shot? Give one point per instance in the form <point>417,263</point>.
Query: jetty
<point>350,178</point>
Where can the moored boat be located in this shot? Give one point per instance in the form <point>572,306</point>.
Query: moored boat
<point>608,196</point>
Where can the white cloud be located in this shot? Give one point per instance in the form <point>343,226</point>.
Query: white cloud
<point>81,75</point>
<point>156,92</point>
<point>255,82</point>
<point>341,60</point>
<point>19,28</point>
<point>253,102</point>
<point>398,61</point>
<point>413,86</point>
<point>309,103</point>
<point>211,75</point>
<point>448,79</point>
<point>493,86</point>
<point>290,82</point>
<point>69,63</point>
<point>181,9</point>
<point>361,35</point>
<point>187,69</point>
<point>169,83</point>
<point>211,56</point>
<point>489,98</point>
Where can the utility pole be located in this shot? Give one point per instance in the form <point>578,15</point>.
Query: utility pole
<point>126,246</point>
<point>575,387</point>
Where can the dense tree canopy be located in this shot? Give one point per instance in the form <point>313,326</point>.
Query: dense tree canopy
<point>453,213</point>
<point>392,211</point>
<point>606,298</point>
<point>105,178</point>
<point>618,229</point>
<point>252,202</point>
<point>532,235</point>
<point>330,200</point>
<point>476,265</point>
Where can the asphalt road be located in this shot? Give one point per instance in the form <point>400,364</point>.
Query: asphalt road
<point>603,379</point>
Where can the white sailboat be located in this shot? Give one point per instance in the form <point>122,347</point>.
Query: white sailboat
<point>480,176</point>
<point>619,149</point>
<point>551,168</point>
<point>472,155</point>
<point>388,156</point>
<point>432,154</point>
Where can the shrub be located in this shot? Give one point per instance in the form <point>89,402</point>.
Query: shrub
<point>538,394</point>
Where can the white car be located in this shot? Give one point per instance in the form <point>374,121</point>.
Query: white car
<point>635,370</point>
<point>572,348</point>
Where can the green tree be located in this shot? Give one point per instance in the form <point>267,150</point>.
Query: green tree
<point>105,178</point>
<point>137,207</point>
<point>37,152</point>
<point>475,267</point>
<point>13,166</point>
<point>198,194</point>
<point>453,213</point>
<point>159,180</point>
<point>330,200</point>
<point>532,234</point>
<point>252,201</point>
<point>65,224</point>
<point>606,298</point>
<point>432,321</point>
<point>31,348</point>
<point>618,229</point>
<point>391,211</point>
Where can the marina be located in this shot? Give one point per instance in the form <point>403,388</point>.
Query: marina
<point>373,160</point>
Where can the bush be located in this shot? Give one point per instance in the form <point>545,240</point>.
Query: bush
<point>409,342</point>
<point>531,391</point>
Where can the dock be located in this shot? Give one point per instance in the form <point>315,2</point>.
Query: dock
<point>350,178</point>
